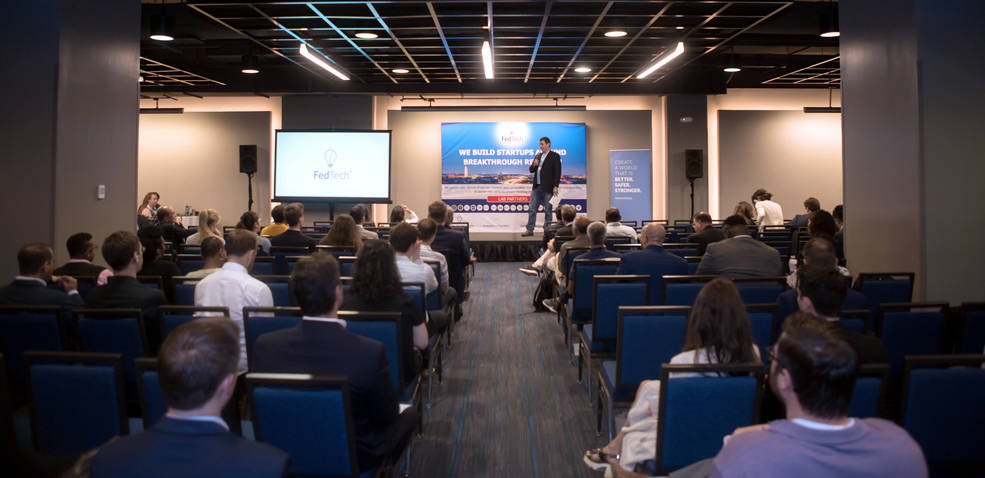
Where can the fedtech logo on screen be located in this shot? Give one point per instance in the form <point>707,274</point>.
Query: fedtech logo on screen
<point>513,135</point>
<point>330,173</point>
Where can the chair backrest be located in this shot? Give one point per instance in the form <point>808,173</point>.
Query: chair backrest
<point>885,287</point>
<point>173,316</point>
<point>86,284</point>
<point>189,262</point>
<point>972,328</point>
<point>609,294</point>
<point>156,282</point>
<point>93,412</point>
<point>584,272</point>
<point>280,254</point>
<point>905,331</point>
<point>280,289</point>
<point>696,413</point>
<point>24,328</point>
<point>681,249</point>
<point>942,409</point>
<point>152,403</point>
<point>856,320</point>
<point>261,320</point>
<point>322,226</point>
<point>610,242</point>
<point>386,328</point>
<point>184,290</point>
<point>762,318</point>
<point>416,290</point>
<point>113,331</point>
<point>682,290</point>
<point>870,391</point>
<point>263,266</point>
<point>648,337</point>
<point>337,251</point>
<point>692,264</point>
<point>434,298</point>
<point>760,290</point>
<point>571,256</point>
<point>347,265</point>
<point>309,417</point>
<point>627,247</point>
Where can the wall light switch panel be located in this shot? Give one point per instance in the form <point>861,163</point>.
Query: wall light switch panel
<point>101,191</point>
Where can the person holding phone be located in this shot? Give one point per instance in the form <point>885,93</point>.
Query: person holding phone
<point>546,168</point>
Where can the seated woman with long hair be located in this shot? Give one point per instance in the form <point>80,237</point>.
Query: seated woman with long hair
<point>745,210</point>
<point>251,222</point>
<point>718,332</point>
<point>376,288</point>
<point>343,233</point>
<point>208,225</point>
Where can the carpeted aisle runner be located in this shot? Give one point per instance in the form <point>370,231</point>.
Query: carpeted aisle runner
<point>510,404</point>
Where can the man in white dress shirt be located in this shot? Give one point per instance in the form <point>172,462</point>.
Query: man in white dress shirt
<point>233,287</point>
<point>614,228</point>
<point>768,213</point>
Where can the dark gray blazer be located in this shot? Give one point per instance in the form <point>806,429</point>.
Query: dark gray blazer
<point>740,257</point>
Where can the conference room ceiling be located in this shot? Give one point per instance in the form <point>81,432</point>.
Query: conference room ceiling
<point>536,46</point>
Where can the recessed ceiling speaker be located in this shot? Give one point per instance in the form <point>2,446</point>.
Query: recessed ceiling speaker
<point>694,163</point>
<point>248,158</point>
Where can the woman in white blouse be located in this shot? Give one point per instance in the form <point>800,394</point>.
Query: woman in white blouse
<point>768,213</point>
<point>718,331</point>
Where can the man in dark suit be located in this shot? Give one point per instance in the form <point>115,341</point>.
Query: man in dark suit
<point>546,168</point>
<point>34,261</point>
<point>820,292</point>
<point>653,260</point>
<point>455,246</point>
<point>173,231</point>
<point>121,250</point>
<point>811,205</point>
<point>819,251</point>
<point>196,370</point>
<point>740,255</point>
<point>321,345</point>
<point>292,237</point>
<point>82,251</point>
<point>705,233</point>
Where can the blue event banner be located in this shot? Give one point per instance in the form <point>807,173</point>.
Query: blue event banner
<point>629,183</point>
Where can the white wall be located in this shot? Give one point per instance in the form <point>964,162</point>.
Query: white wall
<point>753,99</point>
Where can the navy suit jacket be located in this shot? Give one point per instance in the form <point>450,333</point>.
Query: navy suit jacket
<point>28,292</point>
<point>654,261</point>
<point>292,238</point>
<point>188,449</point>
<point>786,303</point>
<point>800,220</point>
<point>453,241</point>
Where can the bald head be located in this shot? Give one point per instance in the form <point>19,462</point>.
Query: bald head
<point>653,234</point>
<point>581,225</point>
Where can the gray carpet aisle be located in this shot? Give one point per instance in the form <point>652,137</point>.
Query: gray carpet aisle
<point>510,404</point>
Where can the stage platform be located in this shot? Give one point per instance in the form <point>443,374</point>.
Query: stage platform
<point>506,247</point>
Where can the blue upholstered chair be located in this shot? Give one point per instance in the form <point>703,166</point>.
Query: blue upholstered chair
<point>905,331</point>
<point>337,251</point>
<point>348,263</point>
<point>189,262</point>
<point>856,320</point>
<point>578,310</point>
<point>308,417</point>
<point>762,318</point>
<point>692,264</point>
<point>681,250</point>
<point>416,290</point>
<point>280,255</point>
<point>647,337</point>
<point>91,414</point>
<point>943,411</point>
<point>114,331</point>
<point>972,328</point>
<point>682,290</point>
<point>280,288</point>
<point>184,290</point>
<point>24,328</point>
<point>598,339</point>
<point>153,404</point>
<point>386,328</point>
<point>610,242</point>
<point>173,316</point>
<point>870,391</point>
<point>696,413</point>
<point>263,266</point>
<point>885,288</point>
<point>261,320</point>
<point>760,290</point>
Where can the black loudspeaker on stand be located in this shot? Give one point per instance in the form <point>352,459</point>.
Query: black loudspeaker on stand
<point>694,169</point>
<point>248,166</point>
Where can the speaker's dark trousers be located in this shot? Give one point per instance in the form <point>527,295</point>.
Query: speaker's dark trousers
<point>539,198</point>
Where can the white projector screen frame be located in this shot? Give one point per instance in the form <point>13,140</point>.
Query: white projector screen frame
<point>282,196</point>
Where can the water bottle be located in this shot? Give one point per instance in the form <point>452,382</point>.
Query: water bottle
<point>188,210</point>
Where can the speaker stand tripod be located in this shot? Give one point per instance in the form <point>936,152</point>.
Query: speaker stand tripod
<point>249,191</point>
<point>691,180</point>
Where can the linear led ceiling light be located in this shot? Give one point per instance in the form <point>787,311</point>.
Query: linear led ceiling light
<point>487,60</point>
<point>318,61</point>
<point>663,61</point>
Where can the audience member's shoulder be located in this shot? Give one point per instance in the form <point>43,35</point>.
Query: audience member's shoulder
<point>903,443</point>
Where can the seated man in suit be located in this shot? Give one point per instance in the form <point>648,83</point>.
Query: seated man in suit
<point>30,287</point>
<point>172,229</point>
<point>597,232</point>
<point>653,260</point>
<point>740,255</point>
<point>820,292</point>
<point>197,374</point>
<point>82,251</point>
<point>704,232</point>
<point>121,250</point>
<point>321,345</point>
<point>819,251</point>
<point>292,237</point>
<point>457,251</point>
<point>811,205</point>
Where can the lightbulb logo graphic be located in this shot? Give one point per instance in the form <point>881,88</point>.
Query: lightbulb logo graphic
<point>331,174</point>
